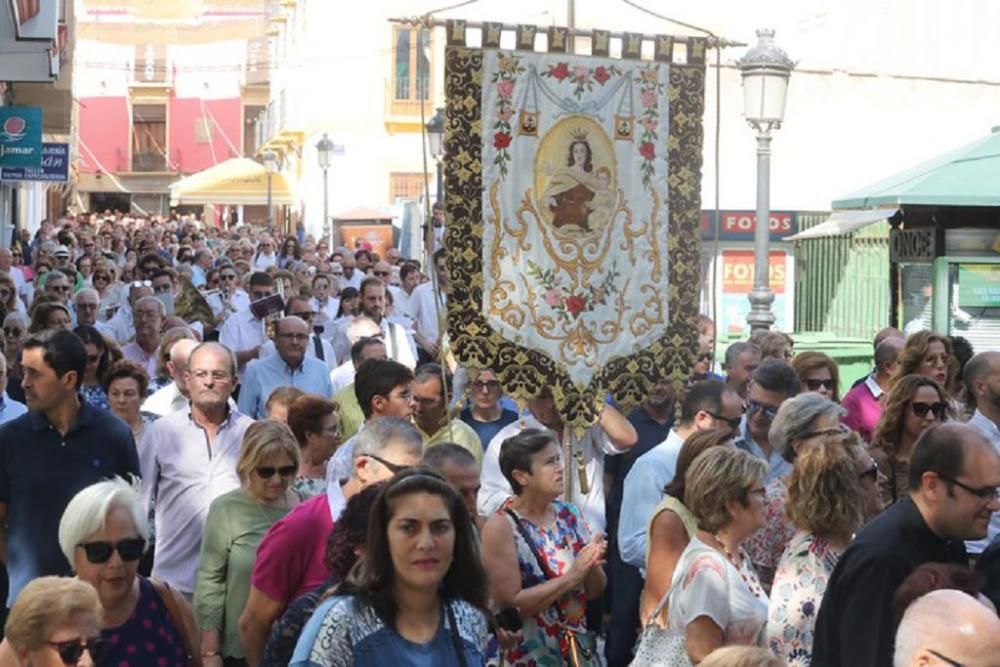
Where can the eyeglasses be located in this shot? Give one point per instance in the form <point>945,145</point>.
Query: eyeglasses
<point>59,288</point>
<point>228,276</point>
<point>267,472</point>
<point>382,274</point>
<point>101,276</point>
<point>753,407</point>
<point>393,467</point>
<point>130,549</point>
<point>12,332</point>
<point>161,289</point>
<point>298,338</point>
<point>836,430</point>
<point>814,385</point>
<point>304,315</point>
<point>734,422</point>
<point>944,658</point>
<point>71,651</point>
<point>403,396</point>
<point>921,409</point>
<point>486,385</point>
<point>871,472</point>
<point>986,493</point>
<point>705,356</point>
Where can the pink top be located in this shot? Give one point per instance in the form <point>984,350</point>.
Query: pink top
<point>290,557</point>
<point>863,411</point>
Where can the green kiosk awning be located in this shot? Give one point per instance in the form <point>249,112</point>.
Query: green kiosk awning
<point>967,176</point>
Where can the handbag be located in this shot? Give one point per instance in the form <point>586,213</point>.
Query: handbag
<point>658,646</point>
<point>580,647</point>
<point>188,633</point>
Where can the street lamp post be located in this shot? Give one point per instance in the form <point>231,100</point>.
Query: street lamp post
<point>324,152</point>
<point>435,144</point>
<point>270,160</point>
<point>765,70</point>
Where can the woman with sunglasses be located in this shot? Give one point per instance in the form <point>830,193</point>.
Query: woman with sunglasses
<point>818,373</point>
<point>672,525</point>
<point>716,598</point>
<point>108,288</point>
<point>103,534</point>
<point>125,383</point>
<point>54,623</point>
<point>913,403</point>
<point>799,421</point>
<point>418,596</point>
<point>15,330</point>
<point>9,297</point>
<point>236,523</point>
<point>827,503</point>
<point>98,361</point>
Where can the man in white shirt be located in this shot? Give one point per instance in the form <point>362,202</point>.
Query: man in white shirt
<point>429,308</point>
<point>230,298</point>
<point>982,384</point>
<point>243,332</point>
<point>398,341</point>
<point>612,435</point>
<point>121,323</point>
<point>322,303</point>
<point>174,396</point>
<point>365,348</point>
<point>188,459</point>
<point>409,277</point>
<point>352,277</point>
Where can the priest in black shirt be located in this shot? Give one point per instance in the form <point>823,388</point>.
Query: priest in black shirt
<point>954,478</point>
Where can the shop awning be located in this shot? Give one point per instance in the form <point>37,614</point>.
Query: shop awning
<point>841,223</point>
<point>238,181</point>
<point>967,176</point>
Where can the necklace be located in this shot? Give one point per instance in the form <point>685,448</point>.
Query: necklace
<point>747,573</point>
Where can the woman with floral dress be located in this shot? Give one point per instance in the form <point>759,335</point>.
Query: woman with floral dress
<point>98,361</point>
<point>830,492</point>
<point>540,556</point>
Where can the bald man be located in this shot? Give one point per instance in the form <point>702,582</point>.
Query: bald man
<point>948,627</point>
<point>174,396</point>
<point>862,403</point>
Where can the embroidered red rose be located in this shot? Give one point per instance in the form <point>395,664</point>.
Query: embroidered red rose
<point>505,88</point>
<point>501,140</point>
<point>575,304</point>
<point>647,150</point>
<point>601,75</point>
<point>560,71</point>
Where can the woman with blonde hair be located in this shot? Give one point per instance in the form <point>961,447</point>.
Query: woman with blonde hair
<point>818,374</point>
<point>236,523</point>
<point>55,621</point>
<point>913,403</point>
<point>8,295</point>
<point>47,313</point>
<point>826,504</point>
<point>715,598</point>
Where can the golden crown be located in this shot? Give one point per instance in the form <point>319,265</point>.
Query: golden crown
<point>579,134</point>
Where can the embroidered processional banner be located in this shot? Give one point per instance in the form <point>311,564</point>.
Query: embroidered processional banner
<point>573,191</point>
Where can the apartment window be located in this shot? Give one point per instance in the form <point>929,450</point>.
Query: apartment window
<point>149,137</point>
<point>412,68</point>
<point>405,186</point>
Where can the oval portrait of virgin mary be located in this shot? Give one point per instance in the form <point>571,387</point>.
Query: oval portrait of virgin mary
<point>575,176</point>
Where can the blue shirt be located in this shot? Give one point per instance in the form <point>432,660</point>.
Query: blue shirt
<point>651,433</point>
<point>487,430</point>
<point>10,409</point>
<point>643,491</point>
<point>262,376</point>
<point>41,471</point>
<point>777,466</point>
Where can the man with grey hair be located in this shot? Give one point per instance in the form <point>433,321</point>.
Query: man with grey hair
<point>174,396</point>
<point>147,316</point>
<point>189,459</point>
<point>864,409</point>
<point>948,627</point>
<point>86,304</point>
<point>290,367</point>
<point>290,558</point>
<point>742,359</point>
<point>982,384</point>
<point>122,323</point>
<point>457,465</point>
<point>200,267</point>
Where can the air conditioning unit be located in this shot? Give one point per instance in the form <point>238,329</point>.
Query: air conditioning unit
<point>203,130</point>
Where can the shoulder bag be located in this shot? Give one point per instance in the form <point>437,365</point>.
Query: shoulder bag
<point>191,643</point>
<point>580,647</point>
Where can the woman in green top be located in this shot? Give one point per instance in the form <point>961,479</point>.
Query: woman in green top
<point>236,523</point>
<point>672,524</point>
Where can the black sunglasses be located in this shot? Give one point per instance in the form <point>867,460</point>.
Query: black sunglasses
<point>921,409</point>
<point>946,659</point>
<point>393,467</point>
<point>130,549</point>
<point>753,407</point>
<point>267,472</point>
<point>71,651</point>
<point>734,422</point>
<point>814,385</point>
<point>705,356</point>
<point>871,472</point>
<point>381,274</point>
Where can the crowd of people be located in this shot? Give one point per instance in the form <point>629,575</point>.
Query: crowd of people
<point>243,447</point>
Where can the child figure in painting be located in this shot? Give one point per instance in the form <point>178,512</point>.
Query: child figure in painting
<point>603,202</point>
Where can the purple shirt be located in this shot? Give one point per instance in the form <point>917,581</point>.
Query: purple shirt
<point>863,410</point>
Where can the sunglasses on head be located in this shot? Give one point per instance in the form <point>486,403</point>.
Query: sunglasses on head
<point>814,385</point>
<point>753,407</point>
<point>130,549</point>
<point>267,472</point>
<point>920,409</point>
<point>71,651</point>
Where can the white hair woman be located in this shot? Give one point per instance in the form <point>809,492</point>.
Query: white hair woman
<point>103,533</point>
<point>55,622</point>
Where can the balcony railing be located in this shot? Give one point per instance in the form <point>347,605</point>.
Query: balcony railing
<point>145,162</point>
